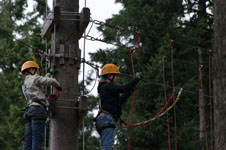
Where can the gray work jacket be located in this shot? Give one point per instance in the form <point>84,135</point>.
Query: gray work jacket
<point>34,87</point>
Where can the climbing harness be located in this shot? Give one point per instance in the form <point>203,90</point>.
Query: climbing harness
<point>164,110</point>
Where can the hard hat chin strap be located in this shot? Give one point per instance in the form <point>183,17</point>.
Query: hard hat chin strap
<point>31,72</point>
<point>112,79</point>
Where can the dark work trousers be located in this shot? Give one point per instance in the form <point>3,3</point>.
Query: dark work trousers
<point>106,124</point>
<point>35,117</point>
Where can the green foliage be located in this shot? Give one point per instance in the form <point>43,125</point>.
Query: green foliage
<point>159,22</point>
<point>14,51</point>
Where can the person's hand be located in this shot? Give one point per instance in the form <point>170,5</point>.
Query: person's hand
<point>59,88</point>
<point>139,75</point>
<point>52,70</point>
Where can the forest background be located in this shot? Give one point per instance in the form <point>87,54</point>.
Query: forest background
<point>189,23</point>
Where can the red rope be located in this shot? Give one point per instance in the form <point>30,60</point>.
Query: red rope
<point>210,99</point>
<point>203,105</point>
<point>131,58</point>
<point>146,122</point>
<point>134,98</point>
<point>172,71</point>
<point>138,35</point>
<point>54,98</point>
<point>131,128</point>
<point>167,114</point>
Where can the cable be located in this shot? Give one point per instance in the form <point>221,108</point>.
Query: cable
<point>148,35</point>
<point>160,84</point>
<point>88,37</point>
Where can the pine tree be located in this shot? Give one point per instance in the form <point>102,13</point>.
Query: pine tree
<point>158,22</point>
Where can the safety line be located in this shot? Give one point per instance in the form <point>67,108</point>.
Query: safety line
<point>165,95</point>
<point>168,86</point>
<point>173,85</point>
<point>132,119</point>
<point>203,105</point>
<point>134,98</point>
<point>161,113</point>
<point>88,37</point>
<point>143,33</point>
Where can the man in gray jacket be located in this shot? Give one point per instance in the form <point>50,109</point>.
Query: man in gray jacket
<point>35,113</point>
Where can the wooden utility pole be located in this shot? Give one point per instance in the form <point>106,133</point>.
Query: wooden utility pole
<point>65,25</point>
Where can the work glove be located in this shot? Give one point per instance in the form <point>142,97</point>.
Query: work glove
<point>52,70</point>
<point>59,88</point>
<point>139,75</point>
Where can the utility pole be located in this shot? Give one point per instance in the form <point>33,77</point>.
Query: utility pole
<point>65,25</point>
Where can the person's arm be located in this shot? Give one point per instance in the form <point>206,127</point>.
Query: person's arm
<point>124,97</point>
<point>126,87</point>
<point>47,81</point>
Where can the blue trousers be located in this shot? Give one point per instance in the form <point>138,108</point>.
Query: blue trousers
<point>35,128</point>
<point>106,126</point>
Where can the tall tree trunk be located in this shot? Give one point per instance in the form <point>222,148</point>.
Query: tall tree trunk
<point>202,19</point>
<point>219,74</point>
<point>202,127</point>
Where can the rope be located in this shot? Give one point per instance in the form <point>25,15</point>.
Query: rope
<point>203,106</point>
<point>94,83</point>
<point>134,98</point>
<point>161,113</point>
<point>210,100</point>
<point>173,85</point>
<point>138,45</point>
<point>54,98</point>
<point>131,58</point>
<point>164,82</point>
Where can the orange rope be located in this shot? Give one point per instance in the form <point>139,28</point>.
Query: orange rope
<point>167,114</point>
<point>175,116</point>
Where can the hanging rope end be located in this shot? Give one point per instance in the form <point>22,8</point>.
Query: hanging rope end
<point>179,93</point>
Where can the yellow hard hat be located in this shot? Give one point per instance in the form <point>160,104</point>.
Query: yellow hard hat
<point>109,69</point>
<point>30,64</point>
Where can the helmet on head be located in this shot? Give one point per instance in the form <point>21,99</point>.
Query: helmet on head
<point>30,64</point>
<point>109,69</point>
